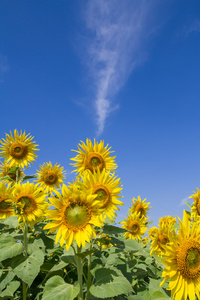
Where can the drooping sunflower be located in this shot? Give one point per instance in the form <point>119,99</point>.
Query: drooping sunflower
<point>139,207</point>
<point>18,149</point>
<point>93,157</point>
<point>167,220</point>
<point>5,171</point>
<point>135,226</point>
<point>195,210</point>
<point>182,261</point>
<point>162,237</point>
<point>106,187</point>
<point>74,216</point>
<point>6,199</point>
<point>50,177</point>
<point>30,203</point>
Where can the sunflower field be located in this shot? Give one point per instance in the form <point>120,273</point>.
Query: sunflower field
<point>61,242</point>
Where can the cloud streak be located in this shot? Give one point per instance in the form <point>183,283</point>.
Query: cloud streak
<point>120,30</point>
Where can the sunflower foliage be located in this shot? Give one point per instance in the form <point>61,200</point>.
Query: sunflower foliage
<point>61,241</point>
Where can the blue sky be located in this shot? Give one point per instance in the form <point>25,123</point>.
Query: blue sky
<point>126,72</point>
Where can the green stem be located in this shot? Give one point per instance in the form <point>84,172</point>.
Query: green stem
<point>80,273</point>
<point>156,270</point>
<point>89,277</point>
<point>17,175</point>
<point>24,285</point>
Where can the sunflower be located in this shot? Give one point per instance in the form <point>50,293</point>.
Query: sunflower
<point>182,261</point>
<point>139,207</point>
<point>167,220</point>
<point>106,187</point>
<point>6,200</point>
<point>5,171</point>
<point>50,177</point>
<point>162,237</point>
<point>152,232</point>
<point>195,210</point>
<point>18,149</point>
<point>93,157</point>
<point>75,216</point>
<point>30,204</point>
<point>135,226</point>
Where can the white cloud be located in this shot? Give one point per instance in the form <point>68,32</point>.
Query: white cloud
<point>120,30</point>
<point>186,199</point>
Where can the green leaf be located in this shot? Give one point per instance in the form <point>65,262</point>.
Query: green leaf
<point>13,170</point>
<point>111,229</point>
<point>9,248</point>
<point>6,278</point>
<point>155,290</point>
<point>36,245</point>
<point>57,289</point>
<point>30,267</point>
<point>86,253</point>
<point>28,177</point>
<point>12,222</point>
<point>10,289</point>
<point>109,283</point>
<point>7,177</point>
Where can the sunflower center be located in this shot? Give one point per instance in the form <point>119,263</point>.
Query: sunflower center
<point>135,227</point>
<point>4,205</point>
<point>24,203</point>
<point>77,215</point>
<point>140,209</point>
<point>50,178</point>
<point>103,194</point>
<point>94,161</point>
<point>18,150</point>
<point>163,238</point>
<point>188,258</point>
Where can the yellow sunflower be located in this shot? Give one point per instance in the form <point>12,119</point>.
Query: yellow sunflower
<point>50,177</point>
<point>6,200</point>
<point>135,226</point>
<point>182,261</point>
<point>5,169</point>
<point>18,149</point>
<point>162,237</point>
<point>167,220</point>
<point>107,188</point>
<point>152,232</point>
<point>30,203</point>
<point>195,210</point>
<point>93,157</point>
<point>75,216</point>
<point>139,207</point>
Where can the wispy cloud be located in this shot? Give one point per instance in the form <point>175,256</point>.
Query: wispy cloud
<point>120,31</point>
<point>182,202</point>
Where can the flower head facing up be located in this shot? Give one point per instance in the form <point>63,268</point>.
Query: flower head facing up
<point>106,187</point>
<point>182,261</point>
<point>140,207</point>
<point>30,203</point>
<point>6,199</point>
<point>135,226</point>
<point>50,177</point>
<point>167,221</point>
<point>93,157</point>
<point>18,149</point>
<point>6,170</point>
<point>75,216</point>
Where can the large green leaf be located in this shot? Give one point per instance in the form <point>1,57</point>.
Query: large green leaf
<point>156,291</point>
<point>6,277</point>
<point>10,289</point>
<point>30,267</point>
<point>36,245</point>
<point>57,289</point>
<point>9,248</point>
<point>109,283</point>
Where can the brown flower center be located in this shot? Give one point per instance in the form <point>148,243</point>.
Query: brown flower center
<point>18,150</point>
<point>140,209</point>
<point>77,216</point>
<point>103,194</point>
<point>188,258</point>
<point>4,205</point>
<point>50,178</point>
<point>163,239</point>
<point>94,161</point>
<point>25,204</point>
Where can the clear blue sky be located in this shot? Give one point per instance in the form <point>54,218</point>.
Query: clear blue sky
<point>127,72</point>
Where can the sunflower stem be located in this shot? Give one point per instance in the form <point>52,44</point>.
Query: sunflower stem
<point>80,273</point>
<point>17,175</point>
<point>24,285</point>
<point>89,278</point>
<point>156,270</point>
